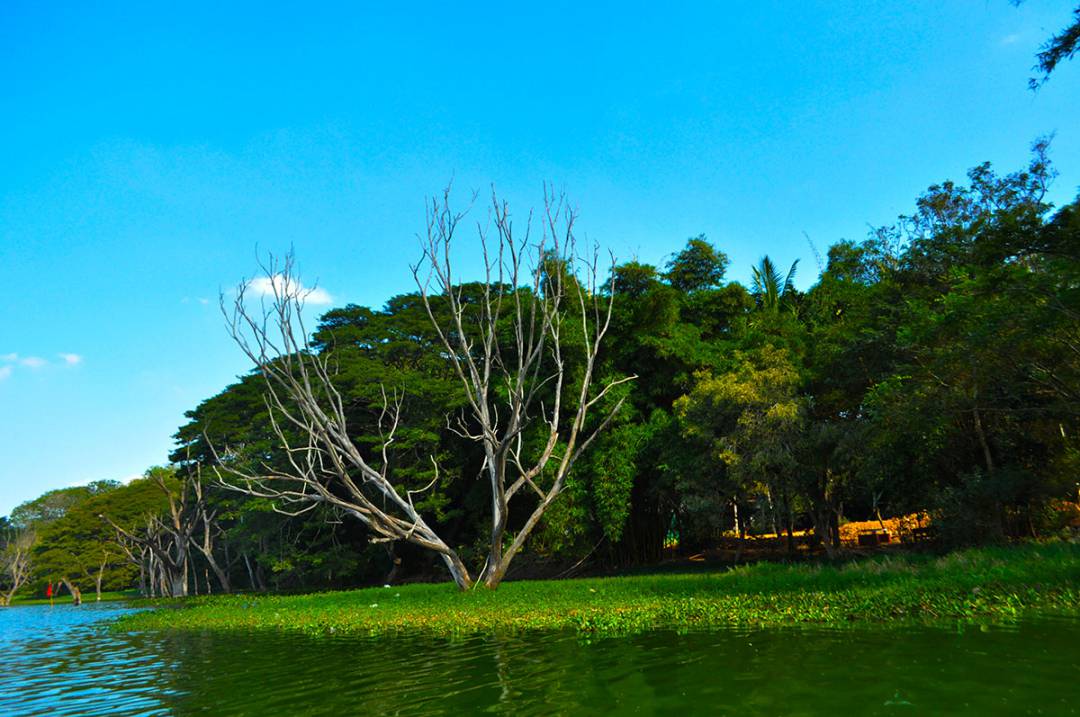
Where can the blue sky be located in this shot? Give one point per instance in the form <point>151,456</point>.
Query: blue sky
<point>147,152</point>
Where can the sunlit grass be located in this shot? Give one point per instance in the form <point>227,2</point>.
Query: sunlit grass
<point>65,599</point>
<point>993,583</point>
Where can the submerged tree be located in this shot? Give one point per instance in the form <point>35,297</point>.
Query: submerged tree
<point>524,347</point>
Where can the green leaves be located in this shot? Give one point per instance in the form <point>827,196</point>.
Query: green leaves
<point>771,288</point>
<point>697,267</point>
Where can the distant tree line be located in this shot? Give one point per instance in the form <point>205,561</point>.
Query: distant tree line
<point>933,367</point>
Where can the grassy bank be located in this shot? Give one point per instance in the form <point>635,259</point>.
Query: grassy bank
<point>983,583</point>
<point>65,599</point>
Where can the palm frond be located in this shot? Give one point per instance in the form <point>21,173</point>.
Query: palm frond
<point>789,281</point>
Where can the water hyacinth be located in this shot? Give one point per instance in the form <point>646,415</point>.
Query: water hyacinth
<point>989,583</point>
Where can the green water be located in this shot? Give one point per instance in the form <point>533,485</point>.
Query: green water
<point>62,661</point>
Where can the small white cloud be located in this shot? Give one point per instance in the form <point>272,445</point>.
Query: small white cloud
<point>9,357</point>
<point>204,302</point>
<point>266,286</point>
<point>5,371</point>
<point>1010,39</point>
<point>71,359</point>
<point>33,362</point>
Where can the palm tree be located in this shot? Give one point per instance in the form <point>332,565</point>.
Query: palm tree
<point>770,288</point>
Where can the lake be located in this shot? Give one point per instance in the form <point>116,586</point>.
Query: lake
<point>64,661</point>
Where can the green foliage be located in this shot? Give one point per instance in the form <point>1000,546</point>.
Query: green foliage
<point>81,547</point>
<point>749,420</point>
<point>54,504</point>
<point>771,288</point>
<point>933,366</point>
<point>699,266</point>
<point>1061,46</point>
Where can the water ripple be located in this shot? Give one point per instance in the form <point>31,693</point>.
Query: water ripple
<point>62,661</point>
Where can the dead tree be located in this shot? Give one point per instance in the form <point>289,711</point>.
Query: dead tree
<point>529,283</point>
<point>74,590</point>
<point>167,538</point>
<point>16,563</point>
<point>141,557</point>
<point>533,288</point>
<point>96,572</point>
<point>154,549</point>
<point>324,465</point>
<point>211,531</point>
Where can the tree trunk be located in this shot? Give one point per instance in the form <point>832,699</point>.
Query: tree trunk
<point>788,520</point>
<point>222,577</point>
<point>988,458</point>
<point>823,529</point>
<point>395,564</point>
<point>260,577</point>
<point>742,537</point>
<point>498,530</point>
<point>152,573</point>
<point>250,572</point>
<point>222,573</point>
<point>97,582</point>
<point>458,571</point>
<point>180,542</point>
<point>178,584</point>
<point>998,524</point>
<point>774,513</point>
<point>76,594</point>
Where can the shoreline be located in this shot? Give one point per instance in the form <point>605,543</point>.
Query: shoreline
<point>65,599</point>
<point>986,583</point>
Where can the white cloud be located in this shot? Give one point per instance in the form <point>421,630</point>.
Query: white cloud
<point>1010,39</point>
<point>13,359</point>
<point>204,302</point>
<point>265,286</point>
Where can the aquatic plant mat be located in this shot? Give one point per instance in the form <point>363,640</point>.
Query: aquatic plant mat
<point>986,583</point>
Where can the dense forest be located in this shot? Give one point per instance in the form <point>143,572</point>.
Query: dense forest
<point>932,369</point>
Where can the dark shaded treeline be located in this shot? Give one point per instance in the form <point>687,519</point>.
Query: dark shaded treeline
<point>934,366</point>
